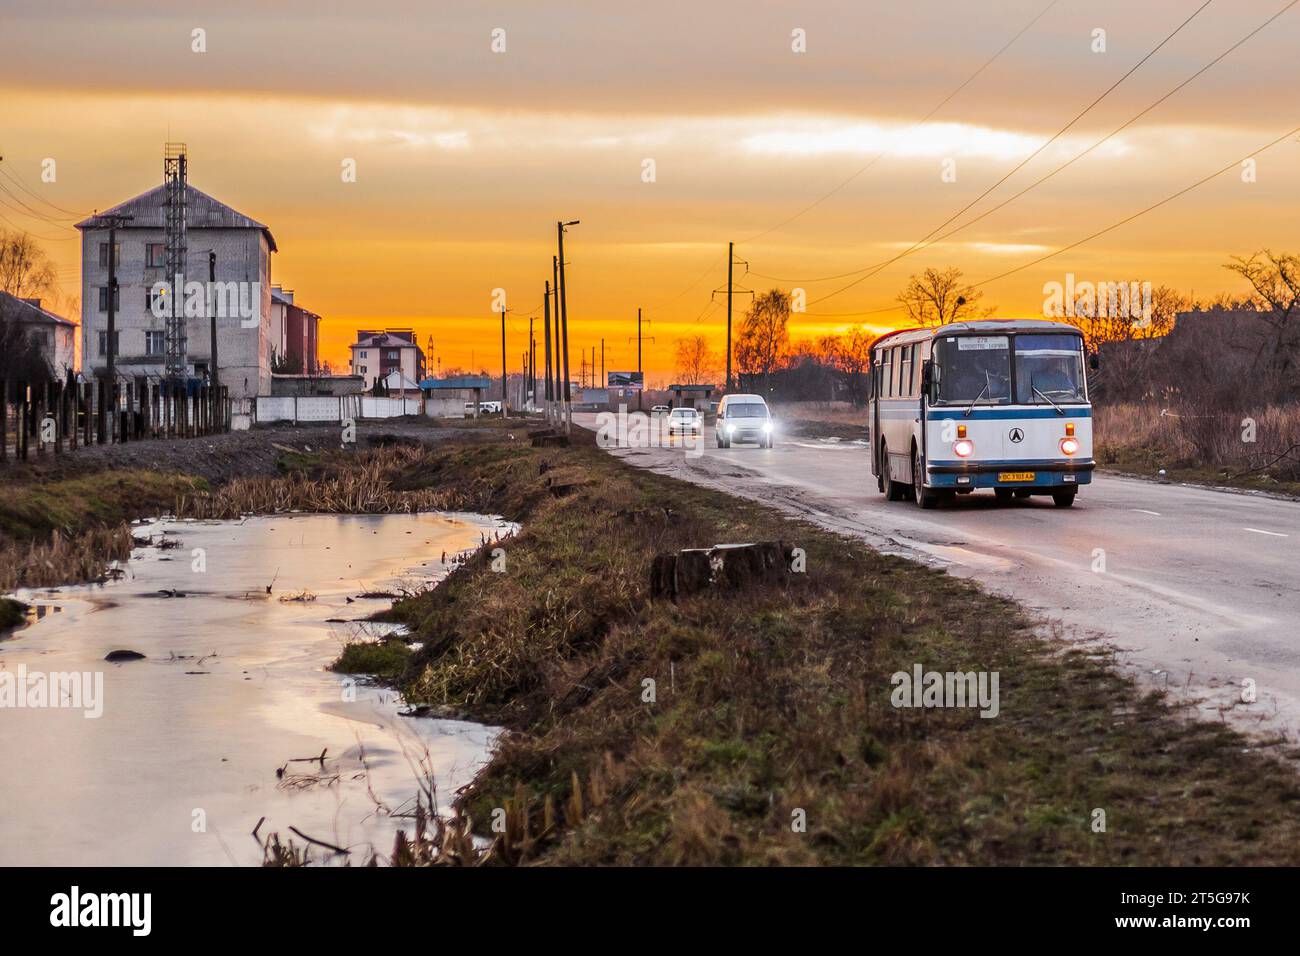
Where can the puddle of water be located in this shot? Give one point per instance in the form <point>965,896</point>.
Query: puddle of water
<point>182,762</point>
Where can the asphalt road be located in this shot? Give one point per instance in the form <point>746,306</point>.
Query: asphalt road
<point>1198,589</point>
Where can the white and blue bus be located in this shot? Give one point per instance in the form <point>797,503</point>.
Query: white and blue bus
<point>994,403</point>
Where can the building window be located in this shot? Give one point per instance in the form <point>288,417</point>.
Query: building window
<point>363,354</point>
<point>394,355</point>
<point>151,296</point>
<point>155,255</point>
<point>103,298</point>
<point>117,343</point>
<point>155,343</point>
<point>103,254</point>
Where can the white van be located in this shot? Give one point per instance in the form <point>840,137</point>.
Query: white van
<point>743,418</point>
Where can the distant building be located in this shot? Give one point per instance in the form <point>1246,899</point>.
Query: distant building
<point>457,397</point>
<point>295,332</point>
<point>243,250</point>
<point>56,336</point>
<point>376,354</point>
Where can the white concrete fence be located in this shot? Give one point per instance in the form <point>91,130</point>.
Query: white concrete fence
<point>331,408</point>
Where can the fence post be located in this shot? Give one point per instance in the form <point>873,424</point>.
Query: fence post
<point>23,413</point>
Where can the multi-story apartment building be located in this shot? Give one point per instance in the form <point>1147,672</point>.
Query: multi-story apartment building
<point>243,250</point>
<point>375,354</point>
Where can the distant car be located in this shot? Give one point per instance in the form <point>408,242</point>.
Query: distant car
<point>684,421</point>
<point>743,418</point>
<point>660,410</point>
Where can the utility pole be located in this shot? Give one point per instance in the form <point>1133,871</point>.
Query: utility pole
<point>639,339</point>
<point>564,325</point>
<point>113,222</point>
<point>604,382</point>
<point>731,290</point>
<point>532,360</point>
<point>212,278</point>
<point>546,335</point>
<point>555,303</point>
<point>504,400</point>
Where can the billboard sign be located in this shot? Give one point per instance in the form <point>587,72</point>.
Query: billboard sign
<point>632,380</point>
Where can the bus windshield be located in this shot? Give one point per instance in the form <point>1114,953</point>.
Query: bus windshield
<point>972,369</point>
<point>1049,369</point>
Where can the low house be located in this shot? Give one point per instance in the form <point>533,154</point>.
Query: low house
<point>55,336</point>
<point>397,385</point>
<point>693,396</point>
<point>455,397</point>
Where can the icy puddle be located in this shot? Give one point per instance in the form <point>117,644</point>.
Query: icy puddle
<point>207,734</point>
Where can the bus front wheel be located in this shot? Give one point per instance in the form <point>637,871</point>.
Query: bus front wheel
<point>925,498</point>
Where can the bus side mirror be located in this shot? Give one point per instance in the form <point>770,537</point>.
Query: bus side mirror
<point>1094,361</point>
<point>925,377</point>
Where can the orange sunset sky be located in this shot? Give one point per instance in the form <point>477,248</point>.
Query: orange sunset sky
<point>466,157</point>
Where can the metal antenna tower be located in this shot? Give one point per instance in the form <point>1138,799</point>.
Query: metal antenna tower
<point>175,160</point>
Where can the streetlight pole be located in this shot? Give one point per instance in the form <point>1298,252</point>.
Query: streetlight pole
<point>564,325</point>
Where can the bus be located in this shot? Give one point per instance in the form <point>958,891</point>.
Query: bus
<point>990,403</point>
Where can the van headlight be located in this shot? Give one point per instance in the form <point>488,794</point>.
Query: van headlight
<point>767,428</point>
<point>729,429</point>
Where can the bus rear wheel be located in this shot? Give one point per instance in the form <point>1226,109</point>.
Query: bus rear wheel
<point>894,490</point>
<point>1063,499</point>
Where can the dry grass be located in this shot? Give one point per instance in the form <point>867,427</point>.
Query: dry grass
<point>363,486</point>
<point>773,705</point>
<point>1196,445</point>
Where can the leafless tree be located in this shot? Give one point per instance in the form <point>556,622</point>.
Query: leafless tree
<point>1276,281</point>
<point>25,269</point>
<point>849,355</point>
<point>697,363</point>
<point>764,337</point>
<point>935,297</point>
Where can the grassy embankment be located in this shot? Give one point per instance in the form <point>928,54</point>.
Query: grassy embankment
<point>772,704</point>
<point>1202,448</point>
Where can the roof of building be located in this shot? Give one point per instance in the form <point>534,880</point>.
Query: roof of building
<point>383,340</point>
<point>201,212</point>
<point>29,312</point>
<point>691,388</point>
<point>460,381</point>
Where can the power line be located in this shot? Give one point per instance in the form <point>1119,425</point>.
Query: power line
<point>1101,232</point>
<point>921,122</point>
<point>22,184</point>
<point>1142,212</point>
<point>988,212</point>
<point>871,270</point>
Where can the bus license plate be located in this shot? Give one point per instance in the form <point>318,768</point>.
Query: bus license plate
<point>1016,476</point>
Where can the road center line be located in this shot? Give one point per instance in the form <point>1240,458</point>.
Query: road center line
<point>1145,512</point>
<point>1275,534</point>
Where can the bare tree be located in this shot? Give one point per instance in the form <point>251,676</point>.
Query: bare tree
<point>938,298</point>
<point>696,362</point>
<point>1276,281</point>
<point>764,337</point>
<point>849,356</point>
<point>25,270</point>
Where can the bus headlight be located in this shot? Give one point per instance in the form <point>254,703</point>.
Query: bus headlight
<point>1069,446</point>
<point>963,447</point>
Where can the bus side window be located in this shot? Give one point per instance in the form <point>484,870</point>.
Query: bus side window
<point>905,372</point>
<point>888,382</point>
